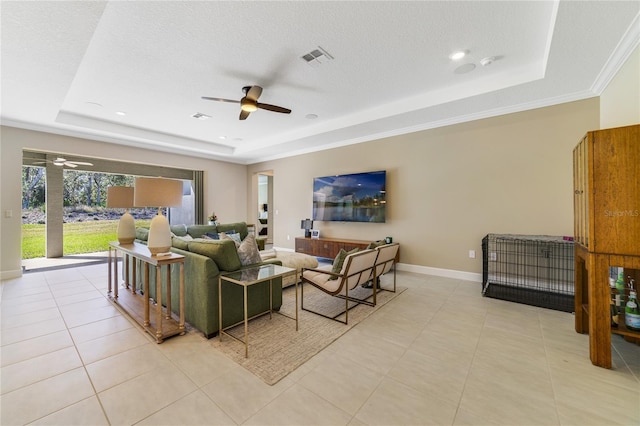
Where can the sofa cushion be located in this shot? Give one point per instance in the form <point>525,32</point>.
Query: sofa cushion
<point>239,227</point>
<point>248,251</point>
<point>179,230</point>
<point>142,234</point>
<point>181,242</point>
<point>222,252</point>
<point>197,231</point>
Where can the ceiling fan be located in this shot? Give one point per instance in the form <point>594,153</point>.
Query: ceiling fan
<point>63,162</point>
<point>249,103</point>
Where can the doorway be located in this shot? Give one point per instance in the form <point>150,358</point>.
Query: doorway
<point>264,206</point>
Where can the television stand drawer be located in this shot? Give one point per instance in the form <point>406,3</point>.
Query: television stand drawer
<point>327,247</point>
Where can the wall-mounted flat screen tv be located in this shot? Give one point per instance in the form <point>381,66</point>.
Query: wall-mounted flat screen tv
<point>356,197</point>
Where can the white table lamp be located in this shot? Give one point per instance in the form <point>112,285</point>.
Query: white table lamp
<point>121,197</point>
<point>158,192</point>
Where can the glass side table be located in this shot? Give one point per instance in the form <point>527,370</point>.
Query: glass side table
<point>246,278</point>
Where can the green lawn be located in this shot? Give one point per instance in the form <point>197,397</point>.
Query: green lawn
<point>78,237</point>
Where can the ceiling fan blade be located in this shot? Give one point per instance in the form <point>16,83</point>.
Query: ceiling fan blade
<point>69,164</point>
<point>80,163</point>
<point>244,114</point>
<point>221,100</point>
<point>254,93</point>
<point>273,108</point>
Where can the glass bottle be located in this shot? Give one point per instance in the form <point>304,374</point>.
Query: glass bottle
<point>612,302</point>
<point>620,286</point>
<point>632,312</point>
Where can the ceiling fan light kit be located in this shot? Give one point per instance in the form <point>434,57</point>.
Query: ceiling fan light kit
<point>249,103</point>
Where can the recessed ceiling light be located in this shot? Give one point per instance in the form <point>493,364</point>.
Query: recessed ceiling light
<point>121,113</point>
<point>456,56</point>
<point>222,137</point>
<point>311,116</point>
<point>94,104</point>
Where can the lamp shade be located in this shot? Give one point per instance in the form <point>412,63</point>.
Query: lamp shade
<point>122,197</point>
<point>158,192</point>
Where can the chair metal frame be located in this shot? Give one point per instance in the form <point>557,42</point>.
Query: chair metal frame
<point>384,265</point>
<point>348,280</point>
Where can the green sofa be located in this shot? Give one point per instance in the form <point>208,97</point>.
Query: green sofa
<point>204,261</point>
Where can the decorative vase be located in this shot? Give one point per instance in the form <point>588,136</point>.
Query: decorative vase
<point>212,222</point>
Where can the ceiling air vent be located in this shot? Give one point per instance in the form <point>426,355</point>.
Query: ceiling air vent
<point>201,116</point>
<point>317,56</point>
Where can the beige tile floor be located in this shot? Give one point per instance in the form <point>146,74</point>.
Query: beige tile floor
<point>439,353</point>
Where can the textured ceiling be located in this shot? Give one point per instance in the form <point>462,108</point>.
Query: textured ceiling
<point>69,67</point>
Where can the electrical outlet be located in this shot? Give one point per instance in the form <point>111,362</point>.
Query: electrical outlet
<point>288,237</point>
<point>472,254</point>
<point>8,213</point>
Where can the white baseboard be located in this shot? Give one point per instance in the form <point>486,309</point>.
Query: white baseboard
<point>282,249</point>
<point>427,270</point>
<point>439,272</point>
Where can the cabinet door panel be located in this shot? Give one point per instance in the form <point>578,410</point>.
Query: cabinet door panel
<point>616,195</point>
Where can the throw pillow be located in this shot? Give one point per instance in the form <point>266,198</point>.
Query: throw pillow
<point>231,236</point>
<point>375,244</point>
<point>248,251</point>
<point>211,236</point>
<point>338,262</point>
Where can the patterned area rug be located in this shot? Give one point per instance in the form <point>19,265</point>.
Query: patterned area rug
<point>276,349</point>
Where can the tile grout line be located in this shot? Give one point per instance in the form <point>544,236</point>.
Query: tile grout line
<point>84,365</point>
<point>546,359</point>
<point>475,351</point>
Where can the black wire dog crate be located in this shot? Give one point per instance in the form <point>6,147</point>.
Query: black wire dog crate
<point>532,269</point>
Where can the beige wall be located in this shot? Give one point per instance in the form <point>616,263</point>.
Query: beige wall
<point>224,182</point>
<point>447,188</point>
<point>620,101</point>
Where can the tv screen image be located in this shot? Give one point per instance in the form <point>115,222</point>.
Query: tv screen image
<point>356,197</point>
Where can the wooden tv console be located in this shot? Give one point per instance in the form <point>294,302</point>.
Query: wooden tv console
<point>327,247</point>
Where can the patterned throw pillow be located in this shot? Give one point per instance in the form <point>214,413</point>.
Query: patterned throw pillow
<point>248,251</point>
